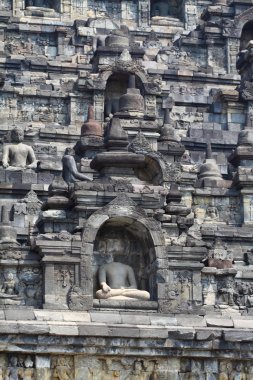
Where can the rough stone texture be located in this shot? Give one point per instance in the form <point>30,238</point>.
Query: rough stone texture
<point>137,125</point>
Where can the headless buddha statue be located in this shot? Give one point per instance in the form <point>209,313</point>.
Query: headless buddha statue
<point>18,155</point>
<point>118,281</point>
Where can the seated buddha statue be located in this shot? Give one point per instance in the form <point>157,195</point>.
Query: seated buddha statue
<point>118,281</point>
<point>18,155</point>
<point>160,8</point>
<point>40,5</point>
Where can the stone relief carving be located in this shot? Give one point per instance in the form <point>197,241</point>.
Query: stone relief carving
<point>44,110</point>
<point>209,286</point>
<point>63,368</point>
<point>226,292</point>
<point>21,286</point>
<point>174,56</point>
<point>23,43</point>
<point>77,298</point>
<point>30,285</point>
<point>20,367</point>
<point>64,279</point>
<point>244,294</point>
<point>220,257</point>
<point>9,292</point>
<point>124,63</point>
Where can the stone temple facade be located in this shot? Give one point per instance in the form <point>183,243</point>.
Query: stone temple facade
<point>126,182</point>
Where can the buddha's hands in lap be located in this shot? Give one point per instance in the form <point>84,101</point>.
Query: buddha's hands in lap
<point>106,288</point>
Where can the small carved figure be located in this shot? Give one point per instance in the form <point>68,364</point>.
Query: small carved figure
<point>18,155</point>
<point>211,214</point>
<point>70,172</point>
<point>239,373</point>
<point>12,371</point>
<point>227,293</point>
<point>9,293</point>
<point>209,291</point>
<point>249,372</point>
<point>62,370</point>
<point>9,285</point>
<point>118,281</point>
<point>138,372</point>
<point>223,371</point>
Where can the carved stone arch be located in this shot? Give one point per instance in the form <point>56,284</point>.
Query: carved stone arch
<point>106,74</point>
<point>233,28</point>
<point>116,82</point>
<point>122,217</point>
<point>243,18</point>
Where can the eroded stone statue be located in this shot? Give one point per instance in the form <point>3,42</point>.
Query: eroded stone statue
<point>118,281</point>
<point>70,172</point>
<point>9,291</point>
<point>18,155</point>
<point>44,4</point>
<point>160,8</point>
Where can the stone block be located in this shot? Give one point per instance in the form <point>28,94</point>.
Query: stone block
<point>74,316</point>
<point>183,334</point>
<point>243,323</point>
<point>13,177</point>
<point>9,328</point>
<point>32,328</point>
<point>135,319</point>
<point>153,332</point>
<point>2,175</point>
<point>19,314</point>
<point>67,329</point>
<point>219,322</point>
<point>158,320</point>
<point>98,329</point>
<point>2,315</point>
<point>190,321</point>
<point>29,177</point>
<point>45,178</point>
<point>105,317</point>
<point>238,336</point>
<point>208,334</point>
<point>124,331</point>
<point>47,315</point>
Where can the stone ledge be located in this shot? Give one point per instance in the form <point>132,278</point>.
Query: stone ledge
<point>123,318</point>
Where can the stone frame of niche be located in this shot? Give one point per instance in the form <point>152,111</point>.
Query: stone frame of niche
<point>150,91</point>
<point>233,28</point>
<point>92,226</point>
<point>19,8</point>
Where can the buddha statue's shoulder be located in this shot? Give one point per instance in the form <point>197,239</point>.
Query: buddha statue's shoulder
<point>116,265</point>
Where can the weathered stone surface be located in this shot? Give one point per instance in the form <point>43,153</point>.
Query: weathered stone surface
<point>159,80</point>
<point>219,322</point>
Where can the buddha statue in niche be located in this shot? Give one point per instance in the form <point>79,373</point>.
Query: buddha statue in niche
<point>39,3</point>
<point>118,282</point>
<point>45,6</point>
<point>160,8</point>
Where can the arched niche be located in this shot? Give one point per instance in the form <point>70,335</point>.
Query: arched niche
<point>246,35</point>
<point>135,239</point>
<point>165,8</point>
<point>116,86</point>
<point>127,241</point>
